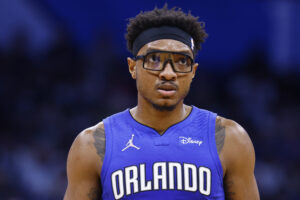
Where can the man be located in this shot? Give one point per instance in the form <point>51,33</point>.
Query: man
<point>162,148</point>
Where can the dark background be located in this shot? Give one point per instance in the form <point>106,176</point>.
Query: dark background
<point>63,69</point>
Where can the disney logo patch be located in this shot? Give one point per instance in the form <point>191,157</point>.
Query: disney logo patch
<point>189,140</point>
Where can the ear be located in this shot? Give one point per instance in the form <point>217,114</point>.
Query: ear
<point>132,67</point>
<point>194,69</point>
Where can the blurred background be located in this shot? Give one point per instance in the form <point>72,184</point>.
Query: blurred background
<point>63,68</point>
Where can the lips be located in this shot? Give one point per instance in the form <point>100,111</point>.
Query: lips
<point>167,90</point>
<point>167,87</point>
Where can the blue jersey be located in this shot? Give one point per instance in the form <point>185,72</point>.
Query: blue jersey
<point>183,163</point>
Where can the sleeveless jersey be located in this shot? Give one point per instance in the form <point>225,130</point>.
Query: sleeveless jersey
<point>183,163</point>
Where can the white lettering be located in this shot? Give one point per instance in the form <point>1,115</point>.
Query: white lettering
<point>131,180</point>
<point>173,165</point>
<point>117,176</point>
<point>185,140</point>
<point>160,177</point>
<point>166,176</point>
<point>203,171</point>
<point>187,169</point>
<point>145,186</point>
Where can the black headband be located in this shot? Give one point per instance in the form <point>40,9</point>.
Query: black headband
<point>163,32</point>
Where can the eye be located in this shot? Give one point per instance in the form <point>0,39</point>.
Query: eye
<point>154,58</point>
<point>183,61</point>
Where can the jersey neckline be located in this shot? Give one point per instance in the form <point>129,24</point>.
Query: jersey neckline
<point>179,124</point>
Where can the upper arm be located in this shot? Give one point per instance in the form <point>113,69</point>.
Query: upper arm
<point>238,160</point>
<point>84,165</point>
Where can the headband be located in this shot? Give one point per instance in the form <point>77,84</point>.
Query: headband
<point>163,32</point>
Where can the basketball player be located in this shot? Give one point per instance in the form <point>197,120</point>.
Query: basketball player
<point>162,148</point>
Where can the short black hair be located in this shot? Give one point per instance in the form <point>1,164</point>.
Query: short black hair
<point>166,17</point>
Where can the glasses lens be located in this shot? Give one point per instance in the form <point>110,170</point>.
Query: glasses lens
<point>181,63</point>
<point>152,61</point>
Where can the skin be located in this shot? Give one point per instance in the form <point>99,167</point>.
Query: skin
<point>84,164</point>
<point>234,146</point>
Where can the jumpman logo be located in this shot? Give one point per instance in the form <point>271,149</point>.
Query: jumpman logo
<point>130,144</point>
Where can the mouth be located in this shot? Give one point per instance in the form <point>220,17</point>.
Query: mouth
<point>167,90</point>
<point>166,93</point>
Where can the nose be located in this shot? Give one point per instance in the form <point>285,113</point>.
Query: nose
<point>168,73</point>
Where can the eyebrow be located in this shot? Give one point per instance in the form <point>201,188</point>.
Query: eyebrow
<point>186,52</point>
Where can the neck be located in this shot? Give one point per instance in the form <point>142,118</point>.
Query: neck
<point>157,119</point>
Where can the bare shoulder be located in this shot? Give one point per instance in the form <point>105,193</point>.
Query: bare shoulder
<point>89,147</point>
<point>232,131</point>
<point>99,140</point>
<point>84,164</point>
<point>236,134</point>
<point>233,143</point>
<point>237,156</point>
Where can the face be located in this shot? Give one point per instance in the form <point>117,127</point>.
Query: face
<point>165,89</point>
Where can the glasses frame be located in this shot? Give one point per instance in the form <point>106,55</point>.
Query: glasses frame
<point>143,57</point>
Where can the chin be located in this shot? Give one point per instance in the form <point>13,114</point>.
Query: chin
<point>164,106</point>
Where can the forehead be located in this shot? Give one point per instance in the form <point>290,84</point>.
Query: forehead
<point>166,45</point>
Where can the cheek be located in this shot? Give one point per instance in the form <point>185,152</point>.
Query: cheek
<point>145,82</point>
<point>185,82</point>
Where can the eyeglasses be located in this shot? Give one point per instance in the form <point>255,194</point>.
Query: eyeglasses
<point>157,61</point>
